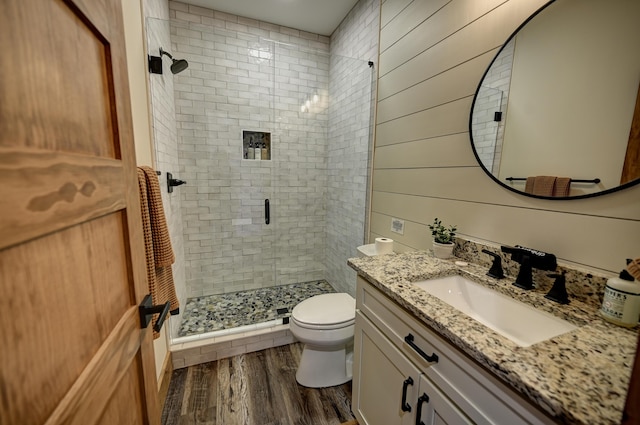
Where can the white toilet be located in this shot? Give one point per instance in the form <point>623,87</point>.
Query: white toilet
<point>325,324</point>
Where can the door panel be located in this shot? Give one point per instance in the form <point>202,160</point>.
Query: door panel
<point>92,392</point>
<point>61,324</point>
<point>50,191</point>
<point>128,391</point>
<point>72,263</point>
<point>53,78</point>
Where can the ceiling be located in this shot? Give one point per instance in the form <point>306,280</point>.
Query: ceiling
<point>315,16</point>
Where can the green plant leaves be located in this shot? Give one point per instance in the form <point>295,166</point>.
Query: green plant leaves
<point>440,233</point>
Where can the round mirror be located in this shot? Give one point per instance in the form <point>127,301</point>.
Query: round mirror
<point>557,113</point>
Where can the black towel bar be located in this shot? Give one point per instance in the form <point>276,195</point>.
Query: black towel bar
<point>595,181</point>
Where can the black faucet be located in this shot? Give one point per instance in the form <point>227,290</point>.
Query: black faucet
<point>496,268</point>
<point>558,292</point>
<point>525,275</point>
<point>529,259</point>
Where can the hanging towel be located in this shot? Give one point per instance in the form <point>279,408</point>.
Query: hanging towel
<point>528,186</point>
<point>548,186</point>
<point>159,253</point>
<point>162,251</point>
<point>562,187</point>
<point>540,185</point>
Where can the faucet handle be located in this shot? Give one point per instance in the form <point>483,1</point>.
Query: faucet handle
<point>558,292</point>
<point>496,268</point>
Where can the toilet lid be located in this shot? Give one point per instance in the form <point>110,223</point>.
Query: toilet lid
<point>325,309</point>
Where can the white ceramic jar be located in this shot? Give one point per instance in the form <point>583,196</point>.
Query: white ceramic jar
<point>621,303</point>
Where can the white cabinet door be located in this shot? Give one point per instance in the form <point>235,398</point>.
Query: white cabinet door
<point>390,390</point>
<point>385,383</point>
<point>434,408</point>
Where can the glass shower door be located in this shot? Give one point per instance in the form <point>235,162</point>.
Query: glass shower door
<point>312,112</point>
<point>321,164</point>
<point>221,107</point>
<point>200,119</point>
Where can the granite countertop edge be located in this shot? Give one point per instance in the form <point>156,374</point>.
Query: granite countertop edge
<point>580,377</point>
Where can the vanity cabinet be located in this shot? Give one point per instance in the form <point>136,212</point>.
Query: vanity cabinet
<point>391,390</point>
<point>404,373</point>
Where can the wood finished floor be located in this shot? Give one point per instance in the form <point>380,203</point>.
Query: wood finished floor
<point>257,388</point>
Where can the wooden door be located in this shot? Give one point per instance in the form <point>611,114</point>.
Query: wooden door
<point>72,269</point>
<point>631,166</point>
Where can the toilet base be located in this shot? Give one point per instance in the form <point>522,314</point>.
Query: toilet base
<point>322,367</point>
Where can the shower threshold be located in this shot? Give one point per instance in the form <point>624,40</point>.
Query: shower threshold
<point>244,311</point>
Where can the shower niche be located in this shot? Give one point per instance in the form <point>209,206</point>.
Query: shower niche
<point>256,145</point>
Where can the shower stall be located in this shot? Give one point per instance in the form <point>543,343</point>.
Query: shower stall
<point>272,134</point>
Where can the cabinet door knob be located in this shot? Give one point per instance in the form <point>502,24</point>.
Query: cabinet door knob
<point>430,358</point>
<point>405,406</point>
<point>424,398</point>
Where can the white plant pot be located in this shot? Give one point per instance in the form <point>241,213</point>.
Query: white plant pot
<point>443,250</point>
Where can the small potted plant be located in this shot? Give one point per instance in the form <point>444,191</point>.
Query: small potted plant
<point>442,239</point>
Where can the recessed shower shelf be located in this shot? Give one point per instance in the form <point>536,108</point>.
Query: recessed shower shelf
<point>256,145</point>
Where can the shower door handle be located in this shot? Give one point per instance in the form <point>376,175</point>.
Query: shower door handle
<point>267,214</point>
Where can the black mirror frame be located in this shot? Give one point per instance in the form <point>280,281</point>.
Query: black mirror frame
<point>473,147</point>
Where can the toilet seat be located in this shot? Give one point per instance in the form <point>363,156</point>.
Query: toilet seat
<point>329,327</point>
<point>327,311</point>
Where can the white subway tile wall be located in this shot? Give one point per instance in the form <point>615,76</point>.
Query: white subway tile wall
<point>165,138</point>
<point>246,74</point>
<point>242,77</point>
<point>250,75</point>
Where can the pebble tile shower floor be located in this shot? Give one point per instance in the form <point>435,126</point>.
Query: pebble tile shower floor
<point>224,311</point>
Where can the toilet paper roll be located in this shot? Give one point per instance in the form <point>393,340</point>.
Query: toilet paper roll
<point>384,246</point>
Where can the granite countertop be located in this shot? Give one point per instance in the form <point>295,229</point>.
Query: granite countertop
<point>580,377</point>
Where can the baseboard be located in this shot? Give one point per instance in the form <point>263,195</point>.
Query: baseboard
<point>215,348</point>
<point>165,378</point>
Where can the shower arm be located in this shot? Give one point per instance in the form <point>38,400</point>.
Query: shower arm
<point>162,52</point>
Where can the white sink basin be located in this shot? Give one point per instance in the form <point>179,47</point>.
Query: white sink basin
<point>521,323</point>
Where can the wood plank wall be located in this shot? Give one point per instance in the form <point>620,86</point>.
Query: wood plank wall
<point>433,54</point>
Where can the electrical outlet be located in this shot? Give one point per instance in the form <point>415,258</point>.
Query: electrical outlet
<point>397,225</point>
